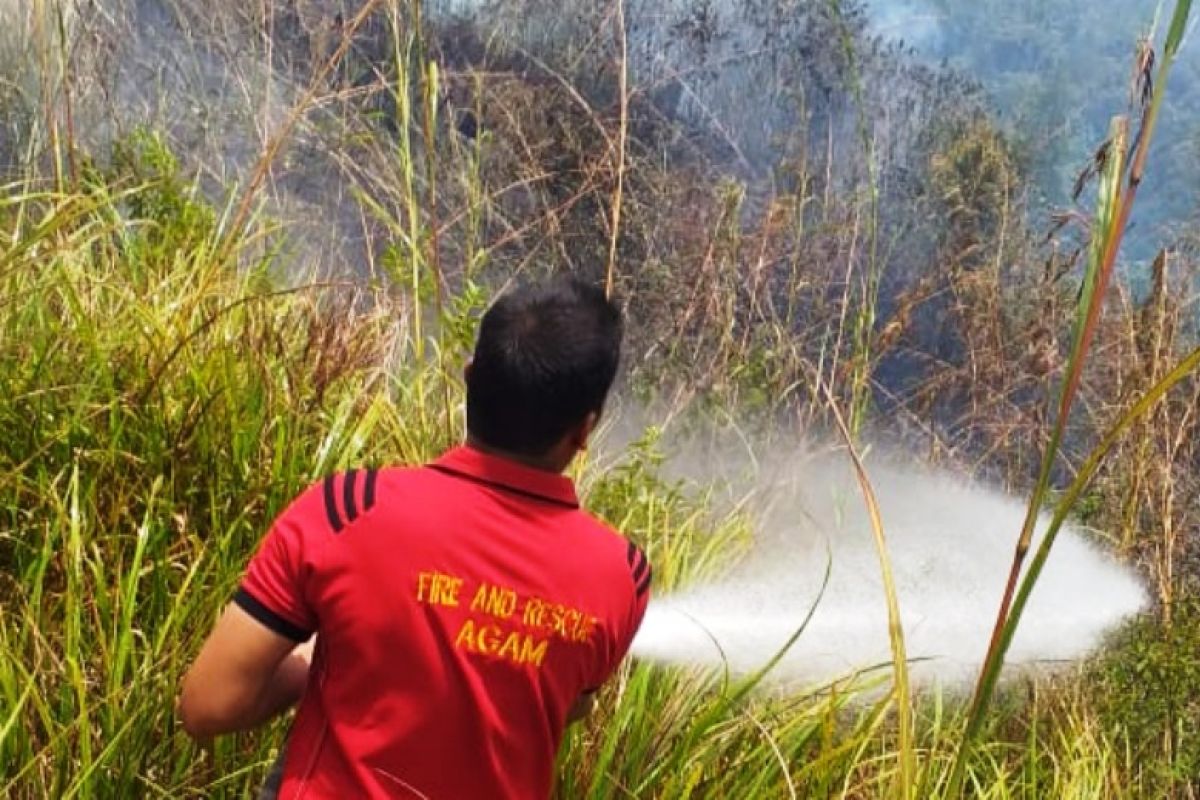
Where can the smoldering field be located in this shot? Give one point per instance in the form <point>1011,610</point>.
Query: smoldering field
<point>802,205</point>
<point>222,85</point>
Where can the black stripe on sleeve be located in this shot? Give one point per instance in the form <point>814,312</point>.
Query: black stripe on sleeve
<point>630,552</point>
<point>252,606</point>
<point>645,584</point>
<point>369,489</point>
<point>348,495</point>
<point>331,511</point>
<point>642,563</point>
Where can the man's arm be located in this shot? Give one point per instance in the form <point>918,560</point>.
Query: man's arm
<point>245,675</point>
<point>640,576</point>
<point>582,708</point>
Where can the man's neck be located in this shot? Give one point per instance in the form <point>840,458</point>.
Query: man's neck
<point>553,461</point>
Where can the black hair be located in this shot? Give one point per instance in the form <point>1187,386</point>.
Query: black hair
<point>545,358</point>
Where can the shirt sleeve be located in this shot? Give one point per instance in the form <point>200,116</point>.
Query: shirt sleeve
<point>624,629</point>
<point>274,590</point>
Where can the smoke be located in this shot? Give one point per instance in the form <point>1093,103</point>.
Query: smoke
<point>131,64</point>
<point>207,78</point>
<point>738,86</point>
<point>950,544</point>
<point>1055,73</point>
<point>914,22</point>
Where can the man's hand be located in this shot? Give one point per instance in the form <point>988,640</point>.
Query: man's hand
<point>245,675</point>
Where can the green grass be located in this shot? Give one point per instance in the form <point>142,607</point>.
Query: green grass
<point>158,409</point>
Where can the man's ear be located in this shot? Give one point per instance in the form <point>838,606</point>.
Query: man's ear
<point>584,430</point>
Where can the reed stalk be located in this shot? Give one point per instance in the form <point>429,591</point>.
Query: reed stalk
<point>279,138</point>
<point>1116,196</point>
<point>403,56</point>
<point>622,137</point>
<point>864,315</point>
<point>905,783</point>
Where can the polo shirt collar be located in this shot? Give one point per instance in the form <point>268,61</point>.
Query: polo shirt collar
<point>505,473</point>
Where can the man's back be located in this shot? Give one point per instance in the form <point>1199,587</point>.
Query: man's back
<point>462,609</point>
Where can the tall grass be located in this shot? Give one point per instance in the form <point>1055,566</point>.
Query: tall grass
<point>160,408</point>
<point>1114,203</point>
<point>155,415</point>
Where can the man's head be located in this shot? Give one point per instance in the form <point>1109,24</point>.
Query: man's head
<point>545,359</point>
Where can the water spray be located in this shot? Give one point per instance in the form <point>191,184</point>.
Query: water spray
<point>950,544</point>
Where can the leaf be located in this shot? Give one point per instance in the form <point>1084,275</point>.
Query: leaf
<point>1183,9</point>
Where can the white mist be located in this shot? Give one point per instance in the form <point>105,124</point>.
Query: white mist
<point>951,546</point>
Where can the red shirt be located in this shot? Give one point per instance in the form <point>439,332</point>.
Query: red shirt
<point>462,608</point>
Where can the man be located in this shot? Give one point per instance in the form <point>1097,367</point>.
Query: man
<point>464,612</point>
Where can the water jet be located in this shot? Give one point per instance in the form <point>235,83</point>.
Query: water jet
<point>950,542</point>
